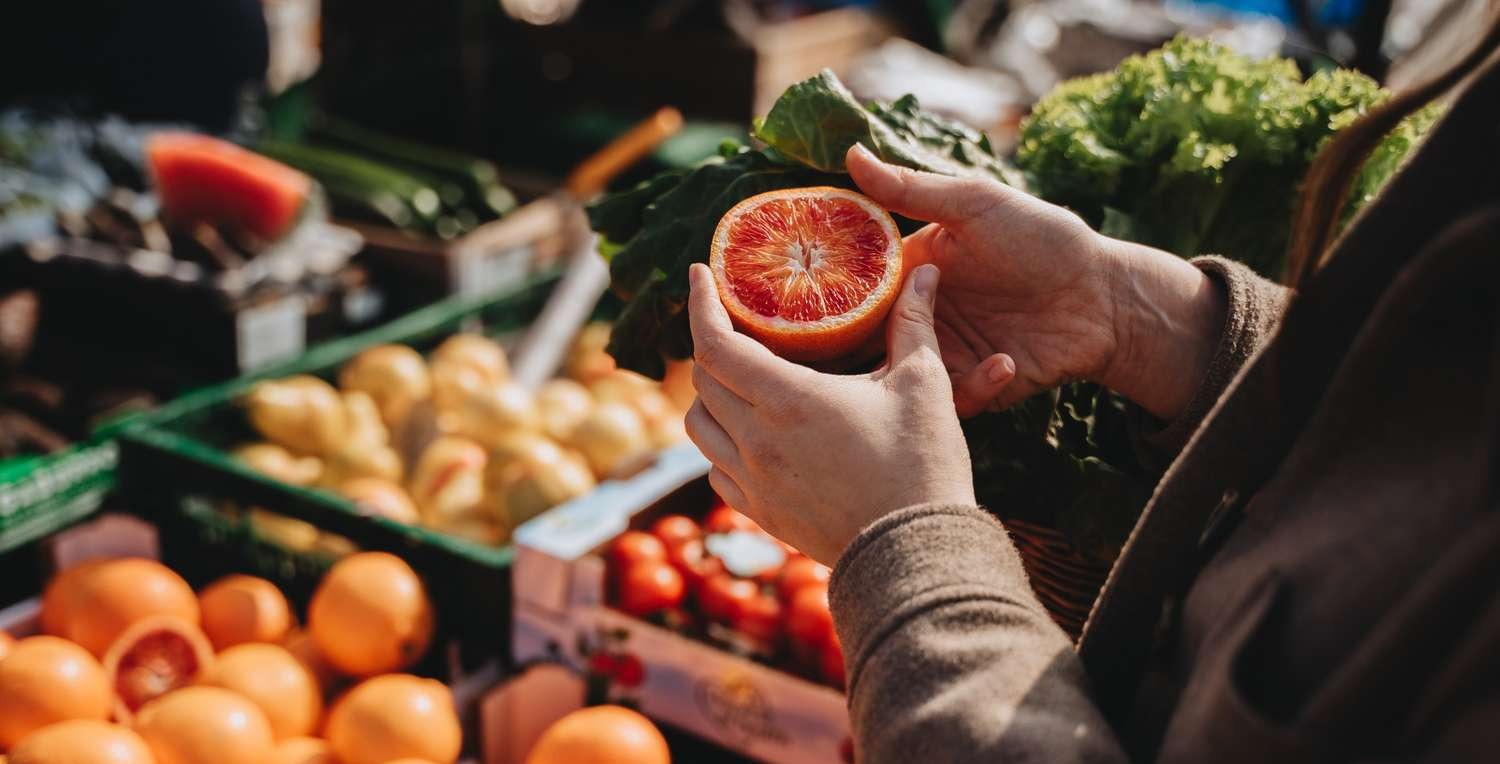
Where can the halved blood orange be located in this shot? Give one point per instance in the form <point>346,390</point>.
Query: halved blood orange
<point>152,658</point>
<point>810,272</point>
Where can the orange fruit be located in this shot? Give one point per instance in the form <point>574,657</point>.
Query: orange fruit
<point>45,680</point>
<point>601,735</point>
<point>370,615</point>
<point>205,725</point>
<point>239,609</point>
<point>276,681</point>
<point>810,272</point>
<point>302,750</point>
<point>82,741</point>
<point>409,761</point>
<point>152,658</point>
<point>395,716</point>
<point>6,640</point>
<point>113,595</point>
<point>302,647</point>
<point>57,598</point>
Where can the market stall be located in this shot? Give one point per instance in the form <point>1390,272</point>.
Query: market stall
<point>342,408</point>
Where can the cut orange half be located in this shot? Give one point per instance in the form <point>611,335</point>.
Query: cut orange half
<point>810,272</point>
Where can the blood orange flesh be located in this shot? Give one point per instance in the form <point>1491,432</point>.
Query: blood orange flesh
<point>152,658</point>
<point>810,272</point>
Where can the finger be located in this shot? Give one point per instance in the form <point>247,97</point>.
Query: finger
<point>976,390</point>
<point>921,195</point>
<point>911,326</point>
<point>742,364</point>
<point>727,408</point>
<point>710,438</point>
<point>727,489</point>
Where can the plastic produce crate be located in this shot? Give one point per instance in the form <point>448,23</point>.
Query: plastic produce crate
<point>177,471</point>
<point>731,700</point>
<point>39,495</point>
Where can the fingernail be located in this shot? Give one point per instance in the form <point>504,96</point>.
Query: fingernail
<point>695,275</point>
<point>1002,369</point>
<point>924,281</point>
<point>860,149</point>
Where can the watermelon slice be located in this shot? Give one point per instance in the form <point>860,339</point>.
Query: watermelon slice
<point>201,179</point>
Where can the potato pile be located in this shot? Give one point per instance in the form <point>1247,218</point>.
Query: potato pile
<point>452,443</point>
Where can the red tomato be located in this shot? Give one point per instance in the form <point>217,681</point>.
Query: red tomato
<point>634,547</point>
<point>723,519</point>
<point>831,661</point>
<point>808,619</point>
<point>723,595</point>
<point>800,572</point>
<point>629,672</point>
<point>675,529</point>
<point>651,586</point>
<point>758,617</point>
<point>693,561</point>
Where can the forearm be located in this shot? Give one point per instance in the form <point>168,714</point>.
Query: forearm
<point>1169,317</point>
<point>950,656</point>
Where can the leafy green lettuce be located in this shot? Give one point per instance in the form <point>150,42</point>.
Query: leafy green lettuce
<point>654,231</point>
<point>1194,148</point>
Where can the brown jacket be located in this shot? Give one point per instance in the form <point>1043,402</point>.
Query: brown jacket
<point>1317,577</point>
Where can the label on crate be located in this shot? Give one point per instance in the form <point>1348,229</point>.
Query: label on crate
<point>274,331</point>
<point>477,272</point>
<point>746,554</point>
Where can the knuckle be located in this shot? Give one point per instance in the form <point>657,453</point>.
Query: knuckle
<point>709,351</point>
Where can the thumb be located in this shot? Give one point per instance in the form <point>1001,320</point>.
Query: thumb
<point>918,195</point>
<point>911,330</point>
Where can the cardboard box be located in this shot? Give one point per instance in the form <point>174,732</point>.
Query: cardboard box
<point>560,615</point>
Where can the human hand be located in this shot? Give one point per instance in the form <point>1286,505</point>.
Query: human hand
<point>1032,297</point>
<point>814,457</point>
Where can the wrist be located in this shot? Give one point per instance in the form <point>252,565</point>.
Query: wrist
<point>1169,317</point>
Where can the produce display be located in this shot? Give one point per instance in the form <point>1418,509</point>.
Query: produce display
<point>726,581</point>
<point>265,690</point>
<point>379,178</point>
<point>451,442</point>
<point>270,631</point>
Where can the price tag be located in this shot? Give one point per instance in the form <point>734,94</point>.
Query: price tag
<point>479,272</point>
<point>270,332</point>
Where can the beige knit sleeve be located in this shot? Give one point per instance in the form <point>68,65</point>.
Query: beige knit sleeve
<point>950,657</point>
<point>1254,309</point>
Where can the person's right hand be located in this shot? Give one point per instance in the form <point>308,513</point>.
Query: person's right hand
<point>1031,297</point>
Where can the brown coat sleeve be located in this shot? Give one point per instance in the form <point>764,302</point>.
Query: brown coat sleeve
<point>951,657</point>
<point>1254,308</point>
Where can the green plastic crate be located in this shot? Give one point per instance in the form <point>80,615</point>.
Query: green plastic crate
<point>176,470</point>
<point>39,495</point>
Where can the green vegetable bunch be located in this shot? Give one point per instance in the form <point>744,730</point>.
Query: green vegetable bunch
<point>651,233</point>
<point>1197,149</point>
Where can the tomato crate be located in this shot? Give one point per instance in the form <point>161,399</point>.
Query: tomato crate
<point>216,513</point>
<point>41,494</point>
<point>702,680</point>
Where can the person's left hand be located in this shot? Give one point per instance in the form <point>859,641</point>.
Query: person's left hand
<point>813,457</point>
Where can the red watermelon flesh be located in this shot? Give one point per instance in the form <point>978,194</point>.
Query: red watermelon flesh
<point>201,179</point>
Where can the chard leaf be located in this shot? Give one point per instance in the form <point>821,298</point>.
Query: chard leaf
<point>816,121</point>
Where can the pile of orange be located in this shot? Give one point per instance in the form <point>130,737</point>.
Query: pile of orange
<point>134,667</point>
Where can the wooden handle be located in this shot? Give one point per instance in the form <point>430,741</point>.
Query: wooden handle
<point>594,174</point>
